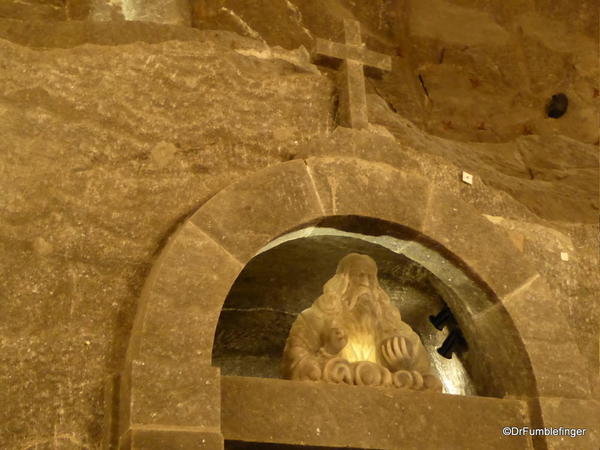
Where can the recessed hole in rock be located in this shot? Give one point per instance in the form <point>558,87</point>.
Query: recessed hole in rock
<point>557,106</point>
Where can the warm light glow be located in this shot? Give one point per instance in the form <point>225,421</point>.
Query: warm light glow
<point>360,347</point>
<point>451,372</point>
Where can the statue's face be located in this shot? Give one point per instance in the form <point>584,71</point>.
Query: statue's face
<point>361,276</point>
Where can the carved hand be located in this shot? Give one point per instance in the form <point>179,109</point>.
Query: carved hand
<point>398,353</point>
<point>335,341</point>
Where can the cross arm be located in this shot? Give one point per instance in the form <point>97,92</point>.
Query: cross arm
<point>353,52</point>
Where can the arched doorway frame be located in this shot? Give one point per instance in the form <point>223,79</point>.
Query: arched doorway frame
<point>168,386</point>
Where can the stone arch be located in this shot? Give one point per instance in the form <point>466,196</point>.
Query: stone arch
<point>172,337</point>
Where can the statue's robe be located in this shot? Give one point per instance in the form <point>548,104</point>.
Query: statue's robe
<point>367,325</point>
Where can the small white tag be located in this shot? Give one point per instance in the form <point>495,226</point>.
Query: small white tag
<point>467,178</point>
<point>564,256</point>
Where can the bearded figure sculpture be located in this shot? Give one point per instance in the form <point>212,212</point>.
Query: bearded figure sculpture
<point>353,334</point>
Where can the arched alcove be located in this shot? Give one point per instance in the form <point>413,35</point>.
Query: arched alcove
<point>289,274</point>
<point>171,395</point>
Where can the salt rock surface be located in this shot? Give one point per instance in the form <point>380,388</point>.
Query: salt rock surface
<point>86,207</point>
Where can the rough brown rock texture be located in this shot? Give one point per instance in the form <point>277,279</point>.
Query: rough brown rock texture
<point>105,149</point>
<point>573,283</point>
<point>114,133</point>
<point>50,10</point>
<point>468,70</point>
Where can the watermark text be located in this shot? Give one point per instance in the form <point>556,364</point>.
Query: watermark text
<point>547,431</point>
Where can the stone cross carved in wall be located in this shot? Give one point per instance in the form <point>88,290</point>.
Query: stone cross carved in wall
<point>352,94</point>
<point>353,334</point>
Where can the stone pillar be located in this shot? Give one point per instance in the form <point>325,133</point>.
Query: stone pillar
<point>165,405</point>
<point>171,12</point>
<point>580,416</point>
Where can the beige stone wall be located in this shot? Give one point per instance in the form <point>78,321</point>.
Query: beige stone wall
<point>105,150</point>
<point>488,67</point>
<point>174,12</point>
<point>50,10</point>
<point>113,133</point>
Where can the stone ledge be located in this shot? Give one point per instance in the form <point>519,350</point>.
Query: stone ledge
<point>305,413</point>
<point>174,438</point>
<point>74,33</point>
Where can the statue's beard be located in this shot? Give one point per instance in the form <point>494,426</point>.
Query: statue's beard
<point>361,306</point>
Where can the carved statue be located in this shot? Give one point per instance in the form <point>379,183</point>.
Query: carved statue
<point>353,334</point>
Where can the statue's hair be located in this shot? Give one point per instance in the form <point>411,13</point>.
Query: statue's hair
<point>355,258</point>
<point>337,286</point>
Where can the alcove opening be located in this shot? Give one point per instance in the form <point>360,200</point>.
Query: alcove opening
<point>286,276</point>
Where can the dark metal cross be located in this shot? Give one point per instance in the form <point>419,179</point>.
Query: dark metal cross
<point>352,93</point>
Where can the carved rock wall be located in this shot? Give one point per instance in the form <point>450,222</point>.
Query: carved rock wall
<point>468,70</point>
<point>114,132</point>
<point>105,149</point>
<point>50,10</point>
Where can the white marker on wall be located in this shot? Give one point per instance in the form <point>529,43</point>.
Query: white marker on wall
<point>467,177</point>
